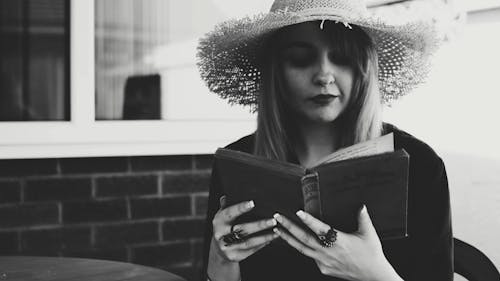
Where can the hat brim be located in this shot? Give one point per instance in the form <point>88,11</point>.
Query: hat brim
<point>227,56</point>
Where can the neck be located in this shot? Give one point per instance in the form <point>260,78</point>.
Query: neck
<point>315,141</point>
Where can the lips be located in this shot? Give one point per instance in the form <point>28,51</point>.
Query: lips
<point>322,99</point>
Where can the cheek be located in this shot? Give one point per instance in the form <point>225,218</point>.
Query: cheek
<point>295,83</point>
<point>345,82</point>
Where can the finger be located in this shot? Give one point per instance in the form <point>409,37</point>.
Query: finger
<point>255,241</point>
<point>221,223</point>
<point>222,202</point>
<point>252,227</point>
<point>297,232</point>
<point>365,225</point>
<point>249,252</point>
<point>234,211</point>
<point>240,251</point>
<point>296,244</point>
<point>313,223</point>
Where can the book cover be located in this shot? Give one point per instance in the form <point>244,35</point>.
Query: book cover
<point>332,191</point>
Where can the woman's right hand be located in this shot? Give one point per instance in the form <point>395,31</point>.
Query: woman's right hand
<point>222,224</point>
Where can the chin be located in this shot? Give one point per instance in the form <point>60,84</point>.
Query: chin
<point>322,117</point>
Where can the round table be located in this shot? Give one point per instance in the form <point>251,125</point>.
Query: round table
<point>71,269</point>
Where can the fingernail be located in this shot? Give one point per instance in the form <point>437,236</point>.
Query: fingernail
<point>271,222</point>
<point>278,217</point>
<point>276,231</point>
<point>250,204</point>
<point>222,201</point>
<point>301,214</point>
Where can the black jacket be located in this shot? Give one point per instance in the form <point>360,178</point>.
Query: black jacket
<point>426,254</point>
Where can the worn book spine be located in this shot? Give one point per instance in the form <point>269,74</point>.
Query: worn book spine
<point>310,192</point>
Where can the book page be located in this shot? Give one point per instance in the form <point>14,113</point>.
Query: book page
<point>375,146</point>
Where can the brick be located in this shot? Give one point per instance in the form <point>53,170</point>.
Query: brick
<point>160,207</point>
<point>55,239</point>
<point>183,229</point>
<point>127,186</point>
<point>29,215</point>
<point>61,189</point>
<point>10,192</point>
<point>202,162</point>
<point>97,211</point>
<point>93,165</point>
<point>200,204</point>
<point>186,183</point>
<point>114,254</point>
<point>8,243</point>
<point>162,255</point>
<point>121,235</point>
<point>161,163</point>
<point>27,167</point>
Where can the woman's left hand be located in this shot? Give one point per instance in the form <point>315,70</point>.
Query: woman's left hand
<point>354,256</point>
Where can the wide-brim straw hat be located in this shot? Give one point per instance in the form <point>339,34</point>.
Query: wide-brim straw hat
<point>228,55</point>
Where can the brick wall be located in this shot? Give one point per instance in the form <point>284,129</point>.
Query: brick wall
<point>144,210</point>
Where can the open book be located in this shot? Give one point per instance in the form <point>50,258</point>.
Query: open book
<point>334,190</point>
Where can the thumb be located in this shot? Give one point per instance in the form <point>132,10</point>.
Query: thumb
<point>365,225</point>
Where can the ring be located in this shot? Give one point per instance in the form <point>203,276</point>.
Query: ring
<point>328,240</point>
<point>233,237</point>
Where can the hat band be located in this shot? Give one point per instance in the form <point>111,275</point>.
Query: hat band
<point>325,12</point>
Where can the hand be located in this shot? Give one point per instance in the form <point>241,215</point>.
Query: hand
<point>222,223</point>
<point>356,256</point>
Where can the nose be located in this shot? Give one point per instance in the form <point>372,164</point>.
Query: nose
<point>324,72</point>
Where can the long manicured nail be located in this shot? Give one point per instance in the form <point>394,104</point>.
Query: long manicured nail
<point>250,204</point>
<point>276,231</point>
<point>222,200</point>
<point>301,214</point>
<point>278,217</point>
<point>271,222</point>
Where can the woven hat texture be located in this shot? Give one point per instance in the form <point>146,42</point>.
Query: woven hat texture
<point>227,56</point>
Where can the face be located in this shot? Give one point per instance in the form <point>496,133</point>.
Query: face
<point>317,81</point>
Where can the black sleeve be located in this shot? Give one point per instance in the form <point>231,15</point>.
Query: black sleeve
<point>213,206</point>
<point>245,144</point>
<point>432,241</point>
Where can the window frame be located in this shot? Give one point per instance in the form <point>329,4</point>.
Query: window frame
<point>83,136</point>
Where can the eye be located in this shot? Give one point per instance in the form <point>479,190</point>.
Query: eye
<point>339,59</point>
<point>298,58</point>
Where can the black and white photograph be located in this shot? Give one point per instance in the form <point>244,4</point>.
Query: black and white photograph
<point>243,140</point>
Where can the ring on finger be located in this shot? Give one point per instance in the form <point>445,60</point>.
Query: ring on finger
<point>328,239</point>
<point>233,237</point>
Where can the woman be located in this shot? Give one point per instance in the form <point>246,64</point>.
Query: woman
<point>318,72</point>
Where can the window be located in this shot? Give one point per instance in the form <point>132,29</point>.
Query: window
<point>145,60</point>
<point>34,70</point>
<point>121,55</point>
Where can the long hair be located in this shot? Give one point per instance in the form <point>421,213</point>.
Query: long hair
<point>361,119</point>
